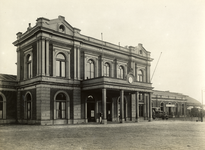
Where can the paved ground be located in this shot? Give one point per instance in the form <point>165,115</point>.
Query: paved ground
<point>144,135</point>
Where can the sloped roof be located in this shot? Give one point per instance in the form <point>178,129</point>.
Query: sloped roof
<point>8,77</point>
<point>192,100</point>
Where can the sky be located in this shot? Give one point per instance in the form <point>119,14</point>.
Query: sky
<point>174,28</point>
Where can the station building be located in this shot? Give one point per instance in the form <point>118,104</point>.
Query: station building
<point>64,77</point>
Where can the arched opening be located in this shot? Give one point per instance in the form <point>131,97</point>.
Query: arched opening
<point>91,108</point>
<point>106,69</point>
<point>60,65</point>
<point>61,106</point>
<point>28,106</point>
<point>29,68</point>
<point>121,72</point>
<point>140,75</point>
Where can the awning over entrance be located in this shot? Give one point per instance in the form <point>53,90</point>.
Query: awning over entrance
<point>117,84</point>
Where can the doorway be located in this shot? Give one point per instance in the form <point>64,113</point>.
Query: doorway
<point>91,108</point>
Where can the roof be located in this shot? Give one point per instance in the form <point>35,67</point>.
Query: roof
<point>192,100</point>
<point>8,77</point>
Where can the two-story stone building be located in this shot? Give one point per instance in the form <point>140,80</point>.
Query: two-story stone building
<point>65,77</point>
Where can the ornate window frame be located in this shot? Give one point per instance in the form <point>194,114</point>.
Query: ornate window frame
<point>67,105</point>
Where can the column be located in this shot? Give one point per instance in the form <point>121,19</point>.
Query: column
<point>185,108</point>
<point>164,107</point>
<point>43,56</point>
<point>113,110</point>
<point>75,76</point>
<point>86,118</point>
<point>68,66</point>
<point>96,111</point>
<point>47,57</point>
<point>18,65</point>
<point>104,106</point>
<point>147,98</point>
<point>102,66</point>
<point>148,74</point>
<point>122,106</point>
<point>137,106</point>
<point>25,68</point>
<point>78,62</point>
<point>133,106</point>
<point>39,57</point>
<point>96,68</point>
<point>144,107</point>
<point>150,107</point>
<point>85,68</point>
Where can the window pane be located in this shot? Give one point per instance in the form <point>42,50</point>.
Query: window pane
<point>57,68</point>
<point>29,106</point>
<point>29,70</point>
<point>1,114</point>
<point>63,114</point>
<point>61,96</point>
<point>63,105</point>
<point>29,114</point>
<point>60,56</point>
<point>105,70</point>
<point>108,71</point>
<point>63,69</point>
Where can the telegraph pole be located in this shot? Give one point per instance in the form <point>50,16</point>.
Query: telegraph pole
<point>202,105</point>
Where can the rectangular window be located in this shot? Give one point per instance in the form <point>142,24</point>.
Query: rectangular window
<point>57,68</point>
<point>63,69</point>
<point>60,110</point>
<point>63,110</point>
<point>29,110</point>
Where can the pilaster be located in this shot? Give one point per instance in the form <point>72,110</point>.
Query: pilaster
<point>137,106</point>
<point>145,108</point>
<point>47,57</point>
<point>133,106</point>
<point>122,106</point>
<point>104,106</point>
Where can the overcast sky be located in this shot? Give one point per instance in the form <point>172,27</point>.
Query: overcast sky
<point>174,27</point>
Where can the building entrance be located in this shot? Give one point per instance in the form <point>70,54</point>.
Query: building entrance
<point>91,109</point>
<point>109,112</point>
<point>91,112</point>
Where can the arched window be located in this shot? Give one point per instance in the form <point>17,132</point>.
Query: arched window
<point>162,106</point>
<point>28,107</point>
<point>1,107</point>
<point>140,76</point>
<point>29,73</point>
<point>90,69</point>
<point>107,70</point>
<point>60,65</point>
<point>61,106</point>
<point>121,72</point>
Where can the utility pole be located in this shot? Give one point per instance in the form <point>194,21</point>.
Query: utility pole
<point>202,105</point>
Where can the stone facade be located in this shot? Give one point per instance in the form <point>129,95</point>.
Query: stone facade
<point>64,77</point>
